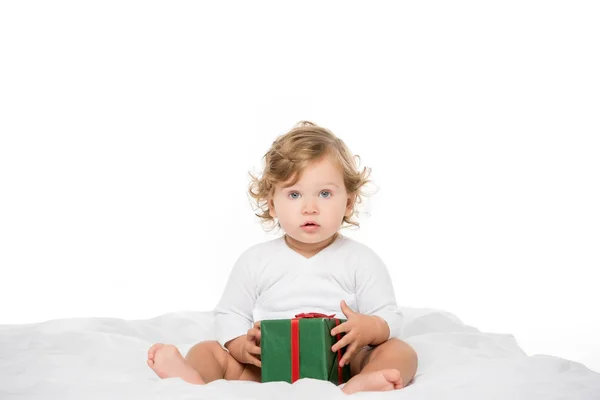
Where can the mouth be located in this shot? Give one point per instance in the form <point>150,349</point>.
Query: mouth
<point>310,227</point>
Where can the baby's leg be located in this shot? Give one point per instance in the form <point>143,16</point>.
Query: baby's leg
<point>228,367</point>
<point>205,362</point>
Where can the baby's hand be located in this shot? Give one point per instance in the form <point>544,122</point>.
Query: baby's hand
<point>360,329</point>
<point>251,346</point>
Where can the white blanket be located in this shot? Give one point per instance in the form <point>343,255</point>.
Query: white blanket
<point>104,358</point>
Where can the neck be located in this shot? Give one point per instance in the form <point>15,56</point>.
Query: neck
<point>309,248</point>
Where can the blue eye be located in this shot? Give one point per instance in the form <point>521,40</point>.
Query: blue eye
<point>295,195</point>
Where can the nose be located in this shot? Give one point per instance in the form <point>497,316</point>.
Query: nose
<point>310,207</point>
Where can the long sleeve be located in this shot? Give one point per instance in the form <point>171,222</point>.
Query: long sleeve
<point>233,314</point>
<point>375,293</point>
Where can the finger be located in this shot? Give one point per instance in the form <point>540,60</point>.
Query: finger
<point>348,355</point>
<point>257,324</point>
<point>255,361</point>
<point>344,327</point>
<point>253,334</point>
<point>256,336</point>
<point>346,340</point>
<point>346,310</point>
<point>254,350</point>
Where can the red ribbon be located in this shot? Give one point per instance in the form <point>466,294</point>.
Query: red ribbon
<point>295,351</point>
<point>296,344</point>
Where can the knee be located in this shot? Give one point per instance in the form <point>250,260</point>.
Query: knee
<point>397,344</point>
<point>208,348</point>
<point>396,347</point>
<point>209,345</point>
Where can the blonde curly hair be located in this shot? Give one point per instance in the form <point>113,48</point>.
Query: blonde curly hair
<point>290,154</point>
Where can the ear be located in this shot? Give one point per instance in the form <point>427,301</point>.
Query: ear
<point>350,204</point>
<point>272,212</point>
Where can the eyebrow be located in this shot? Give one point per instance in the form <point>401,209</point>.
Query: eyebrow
<point>320,184</point>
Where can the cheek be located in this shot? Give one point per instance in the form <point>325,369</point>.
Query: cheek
<point>335,208</point>
<point>284,206</point>
<point>341,202</point>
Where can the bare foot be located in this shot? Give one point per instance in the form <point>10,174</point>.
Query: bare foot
<point>386,379</point>
<point>167,362</point>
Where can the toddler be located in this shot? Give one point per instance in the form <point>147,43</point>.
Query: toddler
<point>309,188</point>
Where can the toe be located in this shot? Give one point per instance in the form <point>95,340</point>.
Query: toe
<point>150,363</point>
<point>153,349</point>
<point>393,376</point>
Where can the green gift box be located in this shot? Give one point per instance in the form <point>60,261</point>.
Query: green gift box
<point>297,348</point>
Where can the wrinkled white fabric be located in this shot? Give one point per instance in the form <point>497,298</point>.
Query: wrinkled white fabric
<point>103,358</point>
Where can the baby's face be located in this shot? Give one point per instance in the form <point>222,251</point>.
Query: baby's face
<point>319,196</point>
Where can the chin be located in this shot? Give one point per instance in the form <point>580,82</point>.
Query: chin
<point>311,237</point>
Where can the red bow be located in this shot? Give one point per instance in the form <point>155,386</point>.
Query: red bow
<point>314,315</point>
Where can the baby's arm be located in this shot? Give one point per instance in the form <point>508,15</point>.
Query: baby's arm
<point>375,293</point>
<point>246,348</point>
<point>233,314</point>
<point>235,347</point>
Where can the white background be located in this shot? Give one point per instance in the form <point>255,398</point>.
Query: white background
<point>128,131</point>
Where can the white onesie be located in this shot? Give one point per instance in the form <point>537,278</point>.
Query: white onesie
<point>272,281</point>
